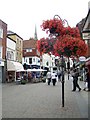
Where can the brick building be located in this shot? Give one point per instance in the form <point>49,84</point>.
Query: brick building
<point>3,39</point>
<point>30,53</point>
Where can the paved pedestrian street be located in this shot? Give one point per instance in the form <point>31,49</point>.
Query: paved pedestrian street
<point>39,100</point>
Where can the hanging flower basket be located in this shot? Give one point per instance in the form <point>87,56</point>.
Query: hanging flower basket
<point>45,45</point>
<point>74,32</point>
<point>68,40</point>
<point>53,26</point>
<point>70,46</point>
<point>53,30</point>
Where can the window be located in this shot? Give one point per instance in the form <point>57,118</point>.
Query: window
<point>29,50</point>
<point>47,63</point>
<point>1,33</point>
<point>30,60</point>
<point>33,59</point>
<point>10,55</point>
<point>26,60</point>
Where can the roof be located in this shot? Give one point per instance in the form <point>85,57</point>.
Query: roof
<point>3,22</point>
<point>87,20</point>
<point>10,33</point>
<point>81,24</point>
<point>29,43</point>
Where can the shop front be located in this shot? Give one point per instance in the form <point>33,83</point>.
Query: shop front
<point>12,67</point>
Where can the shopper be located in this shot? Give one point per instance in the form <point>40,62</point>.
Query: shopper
<point>49,77</point>
<point>86,80</point>
<point>75,80</point>
<point>54,78</point>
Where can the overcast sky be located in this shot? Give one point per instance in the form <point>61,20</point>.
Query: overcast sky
<point>21,16</point>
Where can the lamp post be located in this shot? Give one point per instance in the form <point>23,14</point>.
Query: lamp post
<point>6,72</point>
<point>50,62</point>
<point>68,67</point>
<point>62,80</point>
<point>41,65</point>
<point>62,63</point>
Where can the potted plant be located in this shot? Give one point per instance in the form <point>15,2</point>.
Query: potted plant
<point>23,81</point>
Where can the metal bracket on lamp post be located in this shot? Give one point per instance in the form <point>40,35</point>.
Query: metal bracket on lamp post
<point>62,19</point>
<point>58,17</point>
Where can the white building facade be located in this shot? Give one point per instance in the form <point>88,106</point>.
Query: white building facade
<point>31,60</point>
<point>48,61</point>
<point>11,49</point>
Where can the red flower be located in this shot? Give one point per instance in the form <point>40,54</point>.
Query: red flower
<point>74,32</point>
<point>54,26</point>
<point>70,46</point>
<point>67,41</point>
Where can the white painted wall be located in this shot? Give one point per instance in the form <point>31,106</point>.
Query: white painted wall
<point>50,59</point>
<point>11,44</point>
<point>45,58</point>
<point>11,49</point>
<point>35,60</point>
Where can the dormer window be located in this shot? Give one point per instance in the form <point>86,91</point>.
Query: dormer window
<point>29,50</point>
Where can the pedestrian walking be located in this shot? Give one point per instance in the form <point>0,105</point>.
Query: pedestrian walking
<point>75,80</point>
<point>54,78</point>
<point>59,75</point>
<point>29,76</point>
<point>86,81</point>
<point>49,77</point>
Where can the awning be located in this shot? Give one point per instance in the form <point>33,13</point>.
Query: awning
<point>13,66</point>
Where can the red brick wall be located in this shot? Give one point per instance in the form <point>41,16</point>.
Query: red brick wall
<point>28,54</point>
<point>3,40</point>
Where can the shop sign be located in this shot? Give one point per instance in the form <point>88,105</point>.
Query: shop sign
<point>82,58</point>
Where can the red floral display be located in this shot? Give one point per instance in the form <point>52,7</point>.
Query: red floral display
<point>70,46</point>
<point>54,26</point>
<point>67,42</point>
<point>74,32</point>
<point>45,45</point>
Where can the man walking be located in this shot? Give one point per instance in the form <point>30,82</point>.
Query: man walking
<point>49,77</point>
<point>54,78</point>
<point>75,80</point>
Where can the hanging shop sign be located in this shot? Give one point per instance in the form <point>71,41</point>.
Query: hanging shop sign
<point>82,58</point>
